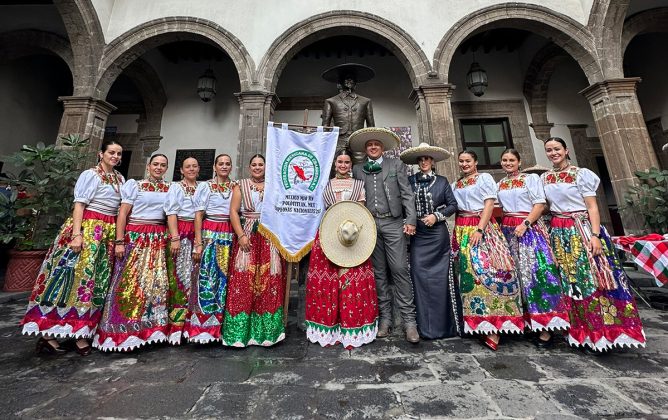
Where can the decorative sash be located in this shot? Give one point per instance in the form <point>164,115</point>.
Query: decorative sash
<point>600,267</point>
<point>523,214</point>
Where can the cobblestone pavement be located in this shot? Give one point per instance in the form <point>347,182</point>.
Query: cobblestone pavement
<point>386,379</point>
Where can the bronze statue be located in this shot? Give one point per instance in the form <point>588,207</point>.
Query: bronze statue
<point>348,110</point>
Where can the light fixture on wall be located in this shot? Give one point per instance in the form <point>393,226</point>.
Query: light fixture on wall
<point>206,85</point>
<point>476,79</point>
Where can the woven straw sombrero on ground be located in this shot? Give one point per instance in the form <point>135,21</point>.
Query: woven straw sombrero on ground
<point>347,234</point>
<point>357,140</point>
<point>535,169</point>
<point>411,155</point>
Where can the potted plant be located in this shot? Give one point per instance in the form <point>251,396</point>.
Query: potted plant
<point>650,199</point>
<point>39,202</point>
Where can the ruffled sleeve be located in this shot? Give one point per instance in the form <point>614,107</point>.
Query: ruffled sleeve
<point>202,194</point>
<point>86,186</point>
<point>129,192</point>
<point>486,186</point>
<point>587,182</point>
<point>173,200</point>
<point>535,189</point>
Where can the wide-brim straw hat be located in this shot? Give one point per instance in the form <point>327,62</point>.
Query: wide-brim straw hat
<point>411,155</point>
<point>347,213</point>
<point>535,169</point>
<point>359,72</point>
<point>357,141</point>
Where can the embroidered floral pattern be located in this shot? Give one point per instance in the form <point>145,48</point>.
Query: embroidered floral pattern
<point>568,176</point>
<point>188,190</point>
<point>151,186</point>
<point>463,183</point>
<point>510,183</point>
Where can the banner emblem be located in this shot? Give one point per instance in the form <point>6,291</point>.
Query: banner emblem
<point>300,166</point>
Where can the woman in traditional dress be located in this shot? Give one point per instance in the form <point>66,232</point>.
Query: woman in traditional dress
<point>603,312</point>
<point>136,311</point>
<point>71,288</point>
<point>522,198</point>
<point>341,304</point>
<point>180,210</point>
<point>436,298</point>
<point>256,287</point>
<point>488,286</point>
<point>213,247</point>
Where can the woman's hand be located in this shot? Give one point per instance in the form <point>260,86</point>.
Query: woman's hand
<point>475,238</point>
<point>596,247</point>
<point>174,245</point>
<point>429,220</point>
<point>119,250</point>
<point>76,244</point>
<point>244,243</point>
<point>520,230</point>
<point>197,252</point>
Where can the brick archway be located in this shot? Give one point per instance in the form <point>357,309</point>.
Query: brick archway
<point>325,25</point>
<point>87,41</point>
<point>123,50</point>
<point>573,37</point>
<point>652,20</point>
<point>21,43</point>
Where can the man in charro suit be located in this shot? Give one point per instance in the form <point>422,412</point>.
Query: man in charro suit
<point>347,110</point>
<point>390,199</point>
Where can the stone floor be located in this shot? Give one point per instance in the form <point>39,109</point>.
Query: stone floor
<point>386,379</point>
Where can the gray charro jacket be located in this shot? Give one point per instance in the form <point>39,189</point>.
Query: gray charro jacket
<point>397,189</point>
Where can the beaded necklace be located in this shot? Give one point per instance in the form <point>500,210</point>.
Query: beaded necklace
<point>109,178</point>
<point>225,188</point>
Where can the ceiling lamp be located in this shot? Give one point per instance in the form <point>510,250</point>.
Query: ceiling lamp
<point>206,85</point>
<point>476,79</point>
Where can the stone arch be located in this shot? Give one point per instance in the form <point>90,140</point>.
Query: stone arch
<point>132,44</point>
<point>573,37</point>
<point>606,22</point>
<point>652,20</point>
<point>87,41</point>
<point>152,92</point>
<point>536,83</point>
<point>364,25</point>
<point>17,44</point>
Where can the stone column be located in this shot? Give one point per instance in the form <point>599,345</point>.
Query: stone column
<point>85,116</point>
<point>624,138</point>
<point>542,130</point>
<point>256,109</point>
<point>436,125</point>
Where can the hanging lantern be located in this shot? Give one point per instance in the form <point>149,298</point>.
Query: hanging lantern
<point>476,79</point>
<point>206,85</point>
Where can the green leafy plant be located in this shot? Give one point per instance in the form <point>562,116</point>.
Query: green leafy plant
<point>41,193</point>
<point>650,199</point>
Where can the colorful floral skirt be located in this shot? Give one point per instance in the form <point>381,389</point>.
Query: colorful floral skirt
<point>71,288</point>
<point>182,270</point>
<point>136,312</point>
<point>255,294</point>
<point>209,291</point>
<point>490,291</point>
<point>341,303</point>
<point>600,319</point>
<point>545,304</point>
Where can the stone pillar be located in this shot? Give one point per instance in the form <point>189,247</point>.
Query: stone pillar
<point>256,109</point>
<point>436,125</point>
<point>624,138</point>
<point>85,116</point>
<point>587,159</point>
<point>542,130</point>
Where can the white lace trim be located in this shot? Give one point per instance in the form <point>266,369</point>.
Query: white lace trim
<point>486,327</point>
<point>331,338</point>
<point>555,324</point>
<point>201,338</point>
<point>252,342</point>
<point>58,331</point>
<point>604,344</point>
<point>130,343</point>
<point>175,338</point>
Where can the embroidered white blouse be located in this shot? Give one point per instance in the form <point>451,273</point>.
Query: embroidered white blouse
<point>100,195</point>
<point>519,194</point>
<point>565,190</point>
<point>472,193</point>
<point>180,202</point>
<point>212,199</point>
<point>146,198</point>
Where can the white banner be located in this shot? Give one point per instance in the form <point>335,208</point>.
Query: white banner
<point>297,171</point>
